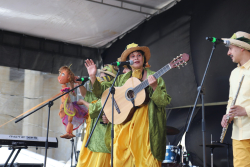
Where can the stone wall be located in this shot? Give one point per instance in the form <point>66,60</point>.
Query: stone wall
<point>21,93</point>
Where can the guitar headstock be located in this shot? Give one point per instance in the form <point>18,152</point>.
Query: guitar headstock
<point>179,60</point>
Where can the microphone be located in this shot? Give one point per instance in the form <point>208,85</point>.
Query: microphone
<point>218,41</point>
<point>83,79</point>
<point>123,63</point>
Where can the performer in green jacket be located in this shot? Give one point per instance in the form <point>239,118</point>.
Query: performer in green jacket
<point>142,140</point>
<point>96,154</point>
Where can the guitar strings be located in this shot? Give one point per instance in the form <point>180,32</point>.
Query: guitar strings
<point>145,83</point>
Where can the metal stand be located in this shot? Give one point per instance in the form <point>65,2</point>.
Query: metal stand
<point>228,163</point>
<point>203,111</point>
<point>112,91</point>
<point>50,103</point>
<point>203,124</point>
<point>228,145</point>
<point>13,150</point>
<point>212,157</point>
<point>72,150</point>
<point>181,154</point>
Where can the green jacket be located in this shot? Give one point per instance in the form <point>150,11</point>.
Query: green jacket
<point>97,142</point>
<point>159,99</point>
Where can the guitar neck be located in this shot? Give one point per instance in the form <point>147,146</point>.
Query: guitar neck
<point>145,83</point>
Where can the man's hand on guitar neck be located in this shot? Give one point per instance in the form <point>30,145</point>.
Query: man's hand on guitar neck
<point>152,82</point>
<point>91,67</point>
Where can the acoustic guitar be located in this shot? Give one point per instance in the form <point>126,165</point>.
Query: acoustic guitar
<point>132,94</point>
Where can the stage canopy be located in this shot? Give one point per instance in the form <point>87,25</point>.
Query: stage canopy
<point>44,35</point>
<point>91,23</point>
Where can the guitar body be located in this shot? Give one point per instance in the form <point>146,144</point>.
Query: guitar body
<point>123,101</point>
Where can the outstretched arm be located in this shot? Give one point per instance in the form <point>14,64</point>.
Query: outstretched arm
<point>83,102</point>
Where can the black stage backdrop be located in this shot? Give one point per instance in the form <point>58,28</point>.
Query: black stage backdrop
<point>183,29</point>
<point>27,52</point>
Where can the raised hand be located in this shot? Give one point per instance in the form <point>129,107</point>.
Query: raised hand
<point>91,67</point>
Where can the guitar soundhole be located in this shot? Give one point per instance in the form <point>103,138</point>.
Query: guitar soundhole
<point>130,94</point>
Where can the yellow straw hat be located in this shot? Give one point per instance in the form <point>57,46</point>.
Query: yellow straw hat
<point>240,39</point>
<point>134,47</point>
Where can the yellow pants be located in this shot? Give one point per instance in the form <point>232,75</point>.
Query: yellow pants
<point>88,158</point>
<point>241,152</point>
<point>131,142</point>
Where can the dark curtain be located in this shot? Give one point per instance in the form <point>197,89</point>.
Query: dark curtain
<point>26,52</point>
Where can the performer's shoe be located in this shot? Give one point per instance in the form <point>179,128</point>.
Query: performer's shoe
<point>68,136</point>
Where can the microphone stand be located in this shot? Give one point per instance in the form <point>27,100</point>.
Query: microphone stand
<point>112,91</point>
<point>201,93</point>
<point>50,103</point>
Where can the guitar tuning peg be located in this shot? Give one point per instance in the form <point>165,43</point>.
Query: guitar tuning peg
<point>185,63</point>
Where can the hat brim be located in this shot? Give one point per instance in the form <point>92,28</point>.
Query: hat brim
<point>130,50</point>
<point>107,72</point>
<point>238,43</point>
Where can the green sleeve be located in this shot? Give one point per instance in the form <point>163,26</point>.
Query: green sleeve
<point>99,88</point>
<point>160,96</point>
<point>157,119</point>
<point>89,97</point>
<point>94,109</point>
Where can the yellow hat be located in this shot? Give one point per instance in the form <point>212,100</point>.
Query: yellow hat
<point>240,39</point>
<point>134,47</point>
